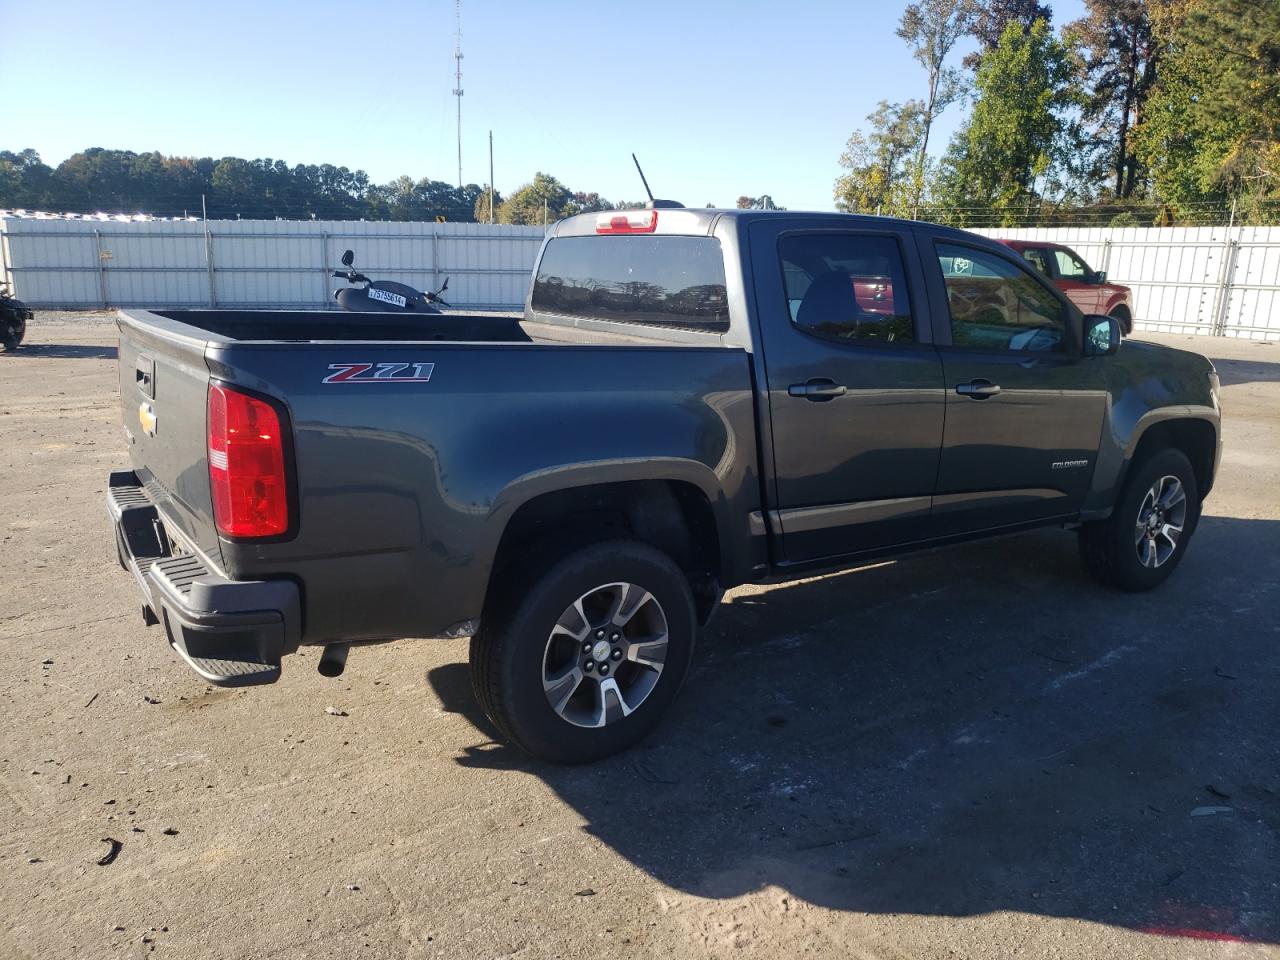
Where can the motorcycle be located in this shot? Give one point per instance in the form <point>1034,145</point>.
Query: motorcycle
<point>383,296</point>
<point>14,315</point>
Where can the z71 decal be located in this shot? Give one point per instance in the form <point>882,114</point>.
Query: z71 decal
<point>379,373</point>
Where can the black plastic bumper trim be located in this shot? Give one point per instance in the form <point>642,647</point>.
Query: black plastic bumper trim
<point>230,632</point>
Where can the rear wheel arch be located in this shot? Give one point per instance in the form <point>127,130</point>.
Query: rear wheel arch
<point>673,516</point>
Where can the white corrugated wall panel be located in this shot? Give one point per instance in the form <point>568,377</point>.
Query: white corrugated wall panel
<point>55,263</point>
<point>1177,273</point>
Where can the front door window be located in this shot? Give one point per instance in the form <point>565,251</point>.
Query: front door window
<point>996,304</point>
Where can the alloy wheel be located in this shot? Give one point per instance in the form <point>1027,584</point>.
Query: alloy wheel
<point>1161,519</point>
<point>605,654</point>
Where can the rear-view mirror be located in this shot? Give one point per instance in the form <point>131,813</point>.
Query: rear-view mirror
<point>348,258</point>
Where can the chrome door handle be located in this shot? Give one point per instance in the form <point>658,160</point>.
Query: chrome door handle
<point>978,389</point>
<point>818,390</point>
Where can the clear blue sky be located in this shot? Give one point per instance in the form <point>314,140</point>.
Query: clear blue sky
<point>717,98</point>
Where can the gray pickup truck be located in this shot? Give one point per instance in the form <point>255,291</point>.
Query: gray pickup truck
<point>693,399</point>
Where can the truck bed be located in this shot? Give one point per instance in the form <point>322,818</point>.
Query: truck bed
<point>301,326</point>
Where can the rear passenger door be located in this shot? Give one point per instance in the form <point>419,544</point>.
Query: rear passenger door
<point>1024,408</point>
<point>855,388</point>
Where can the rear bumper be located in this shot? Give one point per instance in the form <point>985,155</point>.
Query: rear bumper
<point>231,632</point>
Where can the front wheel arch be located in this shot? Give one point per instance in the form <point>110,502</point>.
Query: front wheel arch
<point>1121,314</point>
<point>1197,439</point>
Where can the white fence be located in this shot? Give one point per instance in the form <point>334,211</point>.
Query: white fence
<point>1185,279</point>
<point>257,263</point>
<point>1214,280</point>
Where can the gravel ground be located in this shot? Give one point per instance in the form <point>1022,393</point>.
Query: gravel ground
<point>975,752</point>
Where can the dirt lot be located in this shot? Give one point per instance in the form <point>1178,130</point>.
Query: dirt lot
<point>972,753</point>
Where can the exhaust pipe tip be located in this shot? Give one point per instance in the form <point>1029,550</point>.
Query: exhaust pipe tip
<point>334,659</point>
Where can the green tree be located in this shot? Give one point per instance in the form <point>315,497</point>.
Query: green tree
<point>1212,130</point>
<point>527,204</point>
<point>1118,69</point>
<point>1014,137</point>
<point>589,203</point>
<point>994,15</point>
<point>487,199</point>
<point>25,180</point>
<point>762,202</point>
<point>881,177</point>
<point>931,29</point>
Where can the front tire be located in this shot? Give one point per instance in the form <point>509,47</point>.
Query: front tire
<point>1121,316</point>
<point>1139,546</point>
<point>581,661</point>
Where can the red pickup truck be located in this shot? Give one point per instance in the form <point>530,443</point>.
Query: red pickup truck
<point>1087,288</point>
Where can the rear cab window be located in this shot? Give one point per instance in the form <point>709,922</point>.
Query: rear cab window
<point>661,281</point>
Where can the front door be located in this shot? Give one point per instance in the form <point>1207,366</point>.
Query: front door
<point>1024,409</point>
<point>855,389</point>
<point>1074,279</point>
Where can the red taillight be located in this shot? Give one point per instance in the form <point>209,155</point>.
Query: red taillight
<point>246,465</point>
<point>627,221</point>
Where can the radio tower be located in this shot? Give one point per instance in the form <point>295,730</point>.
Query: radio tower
<point>457,90</point>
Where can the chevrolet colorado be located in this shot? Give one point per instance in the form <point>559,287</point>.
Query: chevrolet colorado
<point>693,399</point>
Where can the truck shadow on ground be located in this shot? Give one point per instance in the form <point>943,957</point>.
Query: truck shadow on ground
<point>1233,372</point>
<point>977,729</point>
<point>61,351</point>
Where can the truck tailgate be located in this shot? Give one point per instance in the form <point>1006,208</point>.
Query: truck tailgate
<point>164,384</point>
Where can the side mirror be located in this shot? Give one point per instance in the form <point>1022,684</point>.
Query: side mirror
<point>1101,336</point>
<point>348,258</point>
<point>1098,276</point>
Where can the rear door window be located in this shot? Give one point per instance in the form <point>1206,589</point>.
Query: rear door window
<point>847,286</point>
<point>663,281</point>
<point>1038,257</point>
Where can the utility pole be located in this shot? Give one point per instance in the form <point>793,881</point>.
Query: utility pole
<point>457,73</point>
<point>491,189</point>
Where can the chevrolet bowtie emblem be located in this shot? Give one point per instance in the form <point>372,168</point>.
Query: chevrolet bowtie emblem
<point>147,417</point>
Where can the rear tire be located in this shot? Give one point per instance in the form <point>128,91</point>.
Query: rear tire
<point>1139,546</point>
<point>582,660</point>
